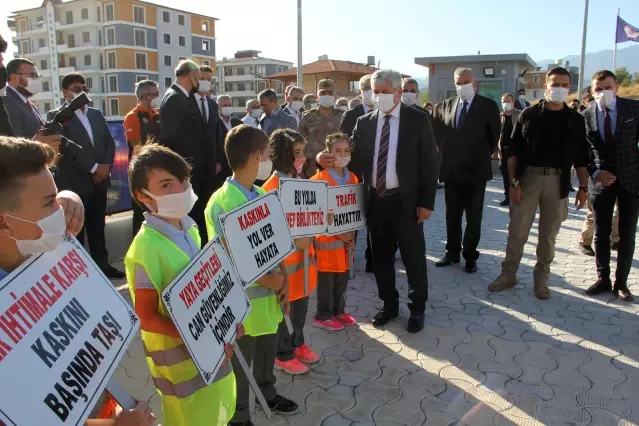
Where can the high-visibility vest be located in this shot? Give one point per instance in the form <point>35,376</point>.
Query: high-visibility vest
<point>295,261</point>
<point>266,313</point>
<point>186,399</point>
<point>332,256</point>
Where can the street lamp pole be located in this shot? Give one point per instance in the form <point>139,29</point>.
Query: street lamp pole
<point>300,83</point>
<point>582,60</point>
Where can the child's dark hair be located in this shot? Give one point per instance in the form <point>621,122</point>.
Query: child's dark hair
<point>336,137</point>
<point>242,142</point>
<point>151,156</point>
<point>282,141</point>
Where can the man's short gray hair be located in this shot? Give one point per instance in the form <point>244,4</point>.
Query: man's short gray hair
<point>342,102</point>
<point>365,81</point>
<point>388,76</point>
<point>268,94</point>
<point>186,66</point>
<point>250,101</point>
<point>462,70</point>
<point>410,81</point>
<point>295,89</point>
<point>223,98</point>
<point>354,103</point>
<point>143,84</point>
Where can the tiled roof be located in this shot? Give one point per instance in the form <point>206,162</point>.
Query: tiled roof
<point>327,65</point>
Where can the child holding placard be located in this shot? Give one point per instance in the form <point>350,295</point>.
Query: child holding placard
<point>287,153</point>
<point>332,251</point>
<point>165,244</point>
<point>247,151</point>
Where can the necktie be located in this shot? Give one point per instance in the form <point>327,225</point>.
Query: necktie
<point>462,115</point>
<point>33,111</point>
<point>610,139</point>
<point>382,157</point>
<point>203,108</point>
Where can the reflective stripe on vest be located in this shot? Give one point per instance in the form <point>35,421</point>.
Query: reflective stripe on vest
<point>330,245</point>
<point>188,387</point>
<point>294,267</point>
<point>257,292</point>
<point>168,357</point>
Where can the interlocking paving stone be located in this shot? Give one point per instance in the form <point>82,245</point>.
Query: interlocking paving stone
<point>544,391</point>
<point>570,415</point>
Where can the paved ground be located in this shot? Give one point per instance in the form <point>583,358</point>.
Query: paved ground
<point>482,358</point>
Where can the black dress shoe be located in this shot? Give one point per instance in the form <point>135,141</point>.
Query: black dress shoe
<point>415,323</point>
<point>471,267</point>
<point>614,246</point>
<point>622,293</point>
<point>282,405</point>
<point>600,287</point>
<point>446,261</point>
<point>383,316</point>
<point>111,272</point>
<point>505,203</point>
<point>587,250</point>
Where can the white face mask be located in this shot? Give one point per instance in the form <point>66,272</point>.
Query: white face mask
<point>205,86</point>
<point>256,113</point>
<point>507,106</point>
<point>264,170</point>
<point>465,91</point>
<point>173,206</point>
<point>326,101</point>
<point>34,86</point>
<point>430,111</point>
<point>296,105</point>
<point>156,102</point>
<point>53,228</point>
<point>409,99</point>
<point>342,161</point>
<point>367,97</point>
<point>314,105</point>
<point>384,102</point>
<point>557,95</point>
<point>604,98</point>
<point>226,111</point>
<point>522,97</point>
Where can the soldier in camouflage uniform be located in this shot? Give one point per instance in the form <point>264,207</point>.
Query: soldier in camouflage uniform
<point>320,122</point>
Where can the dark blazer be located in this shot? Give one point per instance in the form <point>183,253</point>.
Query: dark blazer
<point>416,156</point>
<point>214,133</point>
<point>350,118</point>
<point>466,152</point>
<point>75,173</point>
<point>6,129</point>
<point>626,160</point>
<point>521,105</point>
<point>24,117</point>
<point>226,169</point>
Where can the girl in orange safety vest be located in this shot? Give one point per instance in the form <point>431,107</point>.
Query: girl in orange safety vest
<point>332,251</point>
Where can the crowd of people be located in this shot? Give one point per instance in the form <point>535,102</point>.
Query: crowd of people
<point>191,161</point>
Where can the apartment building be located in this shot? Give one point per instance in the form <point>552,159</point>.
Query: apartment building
<point>113,43</point>
<point>536,78</point>
<point>242,77</point>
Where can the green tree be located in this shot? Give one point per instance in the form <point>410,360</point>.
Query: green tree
<point>636,77</point>
<point>624,78</point>
<point>423,98</point>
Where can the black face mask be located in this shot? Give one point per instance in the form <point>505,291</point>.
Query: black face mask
<point>195,88</point>
<point>3,77</point>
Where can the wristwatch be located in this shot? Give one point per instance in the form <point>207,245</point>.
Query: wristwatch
<point>514,183</point>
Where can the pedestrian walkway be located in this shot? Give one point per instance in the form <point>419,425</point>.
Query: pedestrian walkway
<point>482,358</point>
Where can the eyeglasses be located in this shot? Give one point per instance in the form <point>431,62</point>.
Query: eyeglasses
<point>33,75</point>
<point>79,89</point>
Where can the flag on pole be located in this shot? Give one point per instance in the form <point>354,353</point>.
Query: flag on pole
<point>626,32</point>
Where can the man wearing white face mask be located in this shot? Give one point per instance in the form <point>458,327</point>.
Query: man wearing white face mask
<point>225,103</point>
<point>509,117</point>
<point>294,103</point>
<point>522,103</point>
<point>274,117</point>
<point>253,113</point>
<point>342,104</point>
<point>350,117</point>
<point>548,139</point>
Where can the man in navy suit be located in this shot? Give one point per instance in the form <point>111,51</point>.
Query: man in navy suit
<point>88,174</point>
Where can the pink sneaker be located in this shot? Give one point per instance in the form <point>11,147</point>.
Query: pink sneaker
<point>306,355</point>
<point>330,325</point>
<point>293,367</point>
<point>346,319</point>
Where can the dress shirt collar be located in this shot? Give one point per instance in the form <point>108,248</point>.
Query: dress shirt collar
<point>394,113</point>
<point>470,101</point>
<point>198,97</point>
<point>367,109</point>
<point>24,99</point>
<point>186,93</point>
<point>612,107</point>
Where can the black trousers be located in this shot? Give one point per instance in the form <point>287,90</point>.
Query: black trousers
<point>287,343</point>
<point>95,203</point>
<point>503,166</point>
<point>603,205</point>
<point>203,188</point>
<point>390,225</point>
<point>460,198</point>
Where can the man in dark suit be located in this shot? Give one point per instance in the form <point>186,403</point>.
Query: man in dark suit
<point>6,129</point>
<point>613,135</point>
<point>521,103</point>
<point>23,83</point>
<point>469,130</point>
<point>225,104</point>
<point>350,117</point>
<point>395,150</point>
<point>88,174</point>
<point>294,106</point>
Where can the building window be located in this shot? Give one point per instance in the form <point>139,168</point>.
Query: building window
<point>251,70</point>
<point>140,37</point>
<point>69,16</point>
<point>109,14</point>
<point>166,16</point>
<point>42,42</point>
<point>167,60</point>
<point>45,86</point>
<point>110,36</point>
<point>140,61</point>
<point>252,86</point>
<point>228,71</point>
<point>228,87</point>
<point>261,70</point>
<point>139,78</point>
<point>167,38</point>
<point>261,85</point>
<point>100,40</point>
<point>278,70</point>
<point>101,61</point>
<point>241,87</point>
<point>206,62</point>
<point>167,82</point>
<point>113,83</point>
<point>206,45</point>
<point>102,85</point>
<point>85,13</point>
<point>44,65</point>
<point>86,37</point>
<point>87,60</point>
<point>111,62</point>
<point>181,20</point>
<point>535,79</point>
<point>205,26</point>
<point>240,71</point>
<point>182,41</point>
<point>138,14</point>
<point>99,14</point>
<point>71,40</point>
<point>72,62</point>
<point>47,107</point>
<point>103,106</point>
<point>279,87</point>
<point>89,81</point>
<point>115,106</point>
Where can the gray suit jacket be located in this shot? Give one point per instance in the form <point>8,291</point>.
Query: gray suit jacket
<point>75,174</point>
<point>280,120</point>
<point>24,118</point>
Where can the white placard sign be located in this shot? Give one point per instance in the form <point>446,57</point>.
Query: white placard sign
<point>305,206</point>
<point>63,330</point>
<point>347,202</point>
<point>257,236</point>
<point>206,301</point>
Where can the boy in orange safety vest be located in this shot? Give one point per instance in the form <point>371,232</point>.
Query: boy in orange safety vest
<point>287,154</point>
<point>332,251</point>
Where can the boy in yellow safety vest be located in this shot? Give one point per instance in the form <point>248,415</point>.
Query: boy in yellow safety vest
<point>33,219</point>
<point>164,246</point>
<point>247,153</point>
